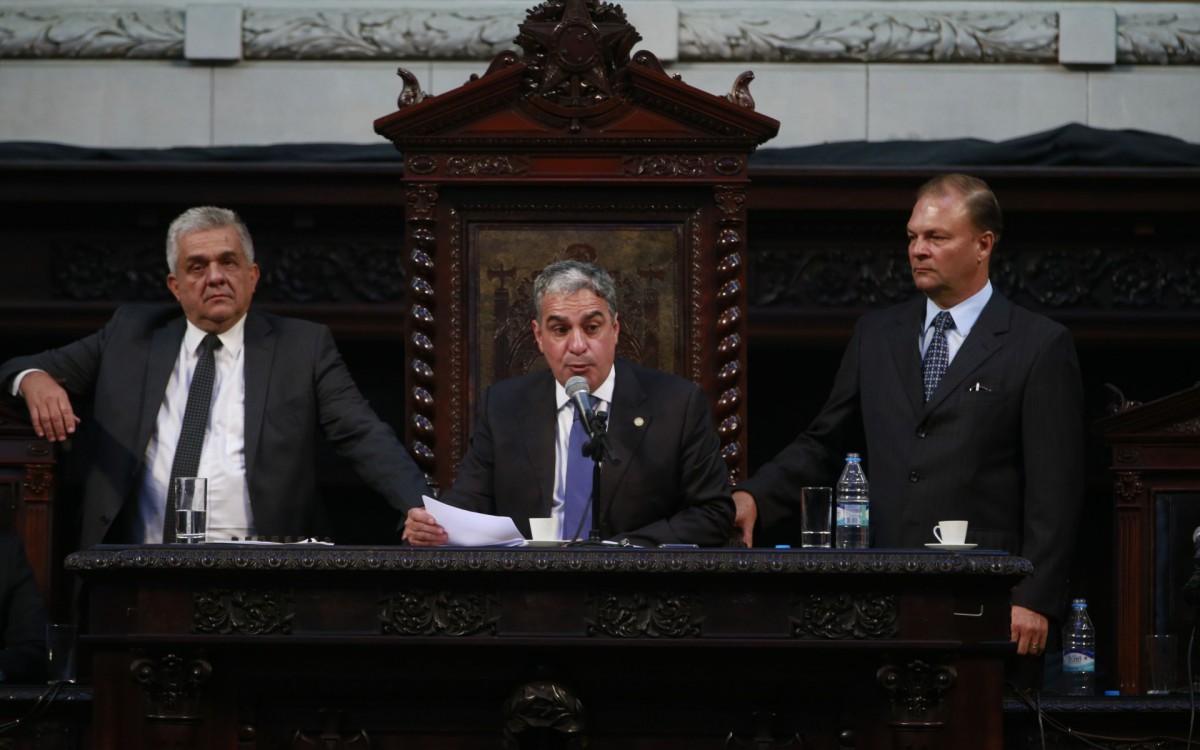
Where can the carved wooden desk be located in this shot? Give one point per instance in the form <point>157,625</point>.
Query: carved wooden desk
<point>306,646</point>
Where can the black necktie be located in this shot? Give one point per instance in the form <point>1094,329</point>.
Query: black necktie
<point>937,356</point>
<point>195,422</point>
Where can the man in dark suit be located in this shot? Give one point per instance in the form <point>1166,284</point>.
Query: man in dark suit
<point>669,485</point>
<point>276,381</point>
<point>997,441</point>
<point>22,617</point>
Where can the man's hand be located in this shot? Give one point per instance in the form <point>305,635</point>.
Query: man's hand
<point>745,516</point>
<point>49,406</point>
<point>421,529</point>
<point>1029,631</point>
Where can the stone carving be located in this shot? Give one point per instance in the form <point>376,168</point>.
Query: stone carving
<point>422,33</point>
<point>436,613</point>
<point>755,31</point>
<point>661,615</point>
<point>91,33</point>
<point>840,616</point>
<point>239,612</point>
<point>1158,39</point>
<point>762,33</point>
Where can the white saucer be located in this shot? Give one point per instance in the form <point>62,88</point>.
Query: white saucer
<point>936,545</point>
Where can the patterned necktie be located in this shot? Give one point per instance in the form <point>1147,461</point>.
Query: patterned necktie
<point>937,356</point>
<point>195,422</point>
<point>577,516</point>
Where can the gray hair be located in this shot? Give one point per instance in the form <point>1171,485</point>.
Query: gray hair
<point>202,218</point>
<point>570,276</point>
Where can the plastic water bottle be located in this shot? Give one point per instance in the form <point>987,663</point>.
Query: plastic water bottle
<point>853,504</point>
<point>1079,651</point>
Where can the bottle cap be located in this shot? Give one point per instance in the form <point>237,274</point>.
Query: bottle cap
<point>1112,693</point>
<point>783,546</point>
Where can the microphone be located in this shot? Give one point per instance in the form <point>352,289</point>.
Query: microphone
<point>578,391</point>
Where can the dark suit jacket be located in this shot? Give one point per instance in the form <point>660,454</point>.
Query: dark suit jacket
<point>669,487</point>
<point>295,382</point>
<point>22,617</point>
<point>1007,456</point>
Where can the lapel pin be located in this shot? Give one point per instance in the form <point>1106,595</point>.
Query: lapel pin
<point>638,421</point>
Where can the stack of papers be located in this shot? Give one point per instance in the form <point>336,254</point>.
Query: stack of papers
<point>466,528</point>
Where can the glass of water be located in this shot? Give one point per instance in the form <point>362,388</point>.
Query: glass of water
<point>191,509</point>
<point>816,516</point>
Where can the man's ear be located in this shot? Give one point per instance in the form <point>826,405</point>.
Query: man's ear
<point>537,334</point>
<point>986,242</point>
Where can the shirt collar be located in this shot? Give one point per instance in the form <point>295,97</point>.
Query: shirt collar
<point>965,313</point>
<point>604,392</point>
<point>231,340</point>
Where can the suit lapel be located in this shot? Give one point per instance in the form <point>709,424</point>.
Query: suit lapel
<point>164,351</point>
<point>540,434</point>
<point>905,344</point>
<point>259,341</point>
<point>624,433</point>
<point>984,340</point>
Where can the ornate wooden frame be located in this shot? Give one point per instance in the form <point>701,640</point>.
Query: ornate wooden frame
<point>573,131</point>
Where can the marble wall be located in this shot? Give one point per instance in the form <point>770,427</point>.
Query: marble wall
<point>207,73</point>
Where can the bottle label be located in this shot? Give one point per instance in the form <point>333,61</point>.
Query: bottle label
<point>1080,660</point>
<point>853,515</point>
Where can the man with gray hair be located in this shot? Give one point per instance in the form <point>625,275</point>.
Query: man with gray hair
<point>220,392</point>
<point>669,485</point>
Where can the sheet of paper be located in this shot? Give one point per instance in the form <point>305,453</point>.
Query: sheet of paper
<point>466,528</point>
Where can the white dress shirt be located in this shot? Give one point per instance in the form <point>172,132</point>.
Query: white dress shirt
<point>965,315</point>
<point>223,458</point>
<point>566,416</point>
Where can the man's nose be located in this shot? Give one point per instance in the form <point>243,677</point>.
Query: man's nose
<point>216,275</point>
<point>576,341</point>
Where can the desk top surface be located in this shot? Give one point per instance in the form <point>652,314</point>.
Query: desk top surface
<point>541,559</point>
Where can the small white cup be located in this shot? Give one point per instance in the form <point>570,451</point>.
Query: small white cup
<point>544,529</point>
<point>951,532</point>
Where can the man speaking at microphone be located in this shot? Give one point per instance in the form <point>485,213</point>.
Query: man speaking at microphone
<point>667,483</point>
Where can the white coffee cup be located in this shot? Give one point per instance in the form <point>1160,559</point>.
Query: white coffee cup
<point>544,529</point>
<point>951,532</point>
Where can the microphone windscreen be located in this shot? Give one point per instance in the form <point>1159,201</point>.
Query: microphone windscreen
<point>579,384</point>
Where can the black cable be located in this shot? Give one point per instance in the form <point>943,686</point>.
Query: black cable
<point>39,706</point>
<point>1191,687</point>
